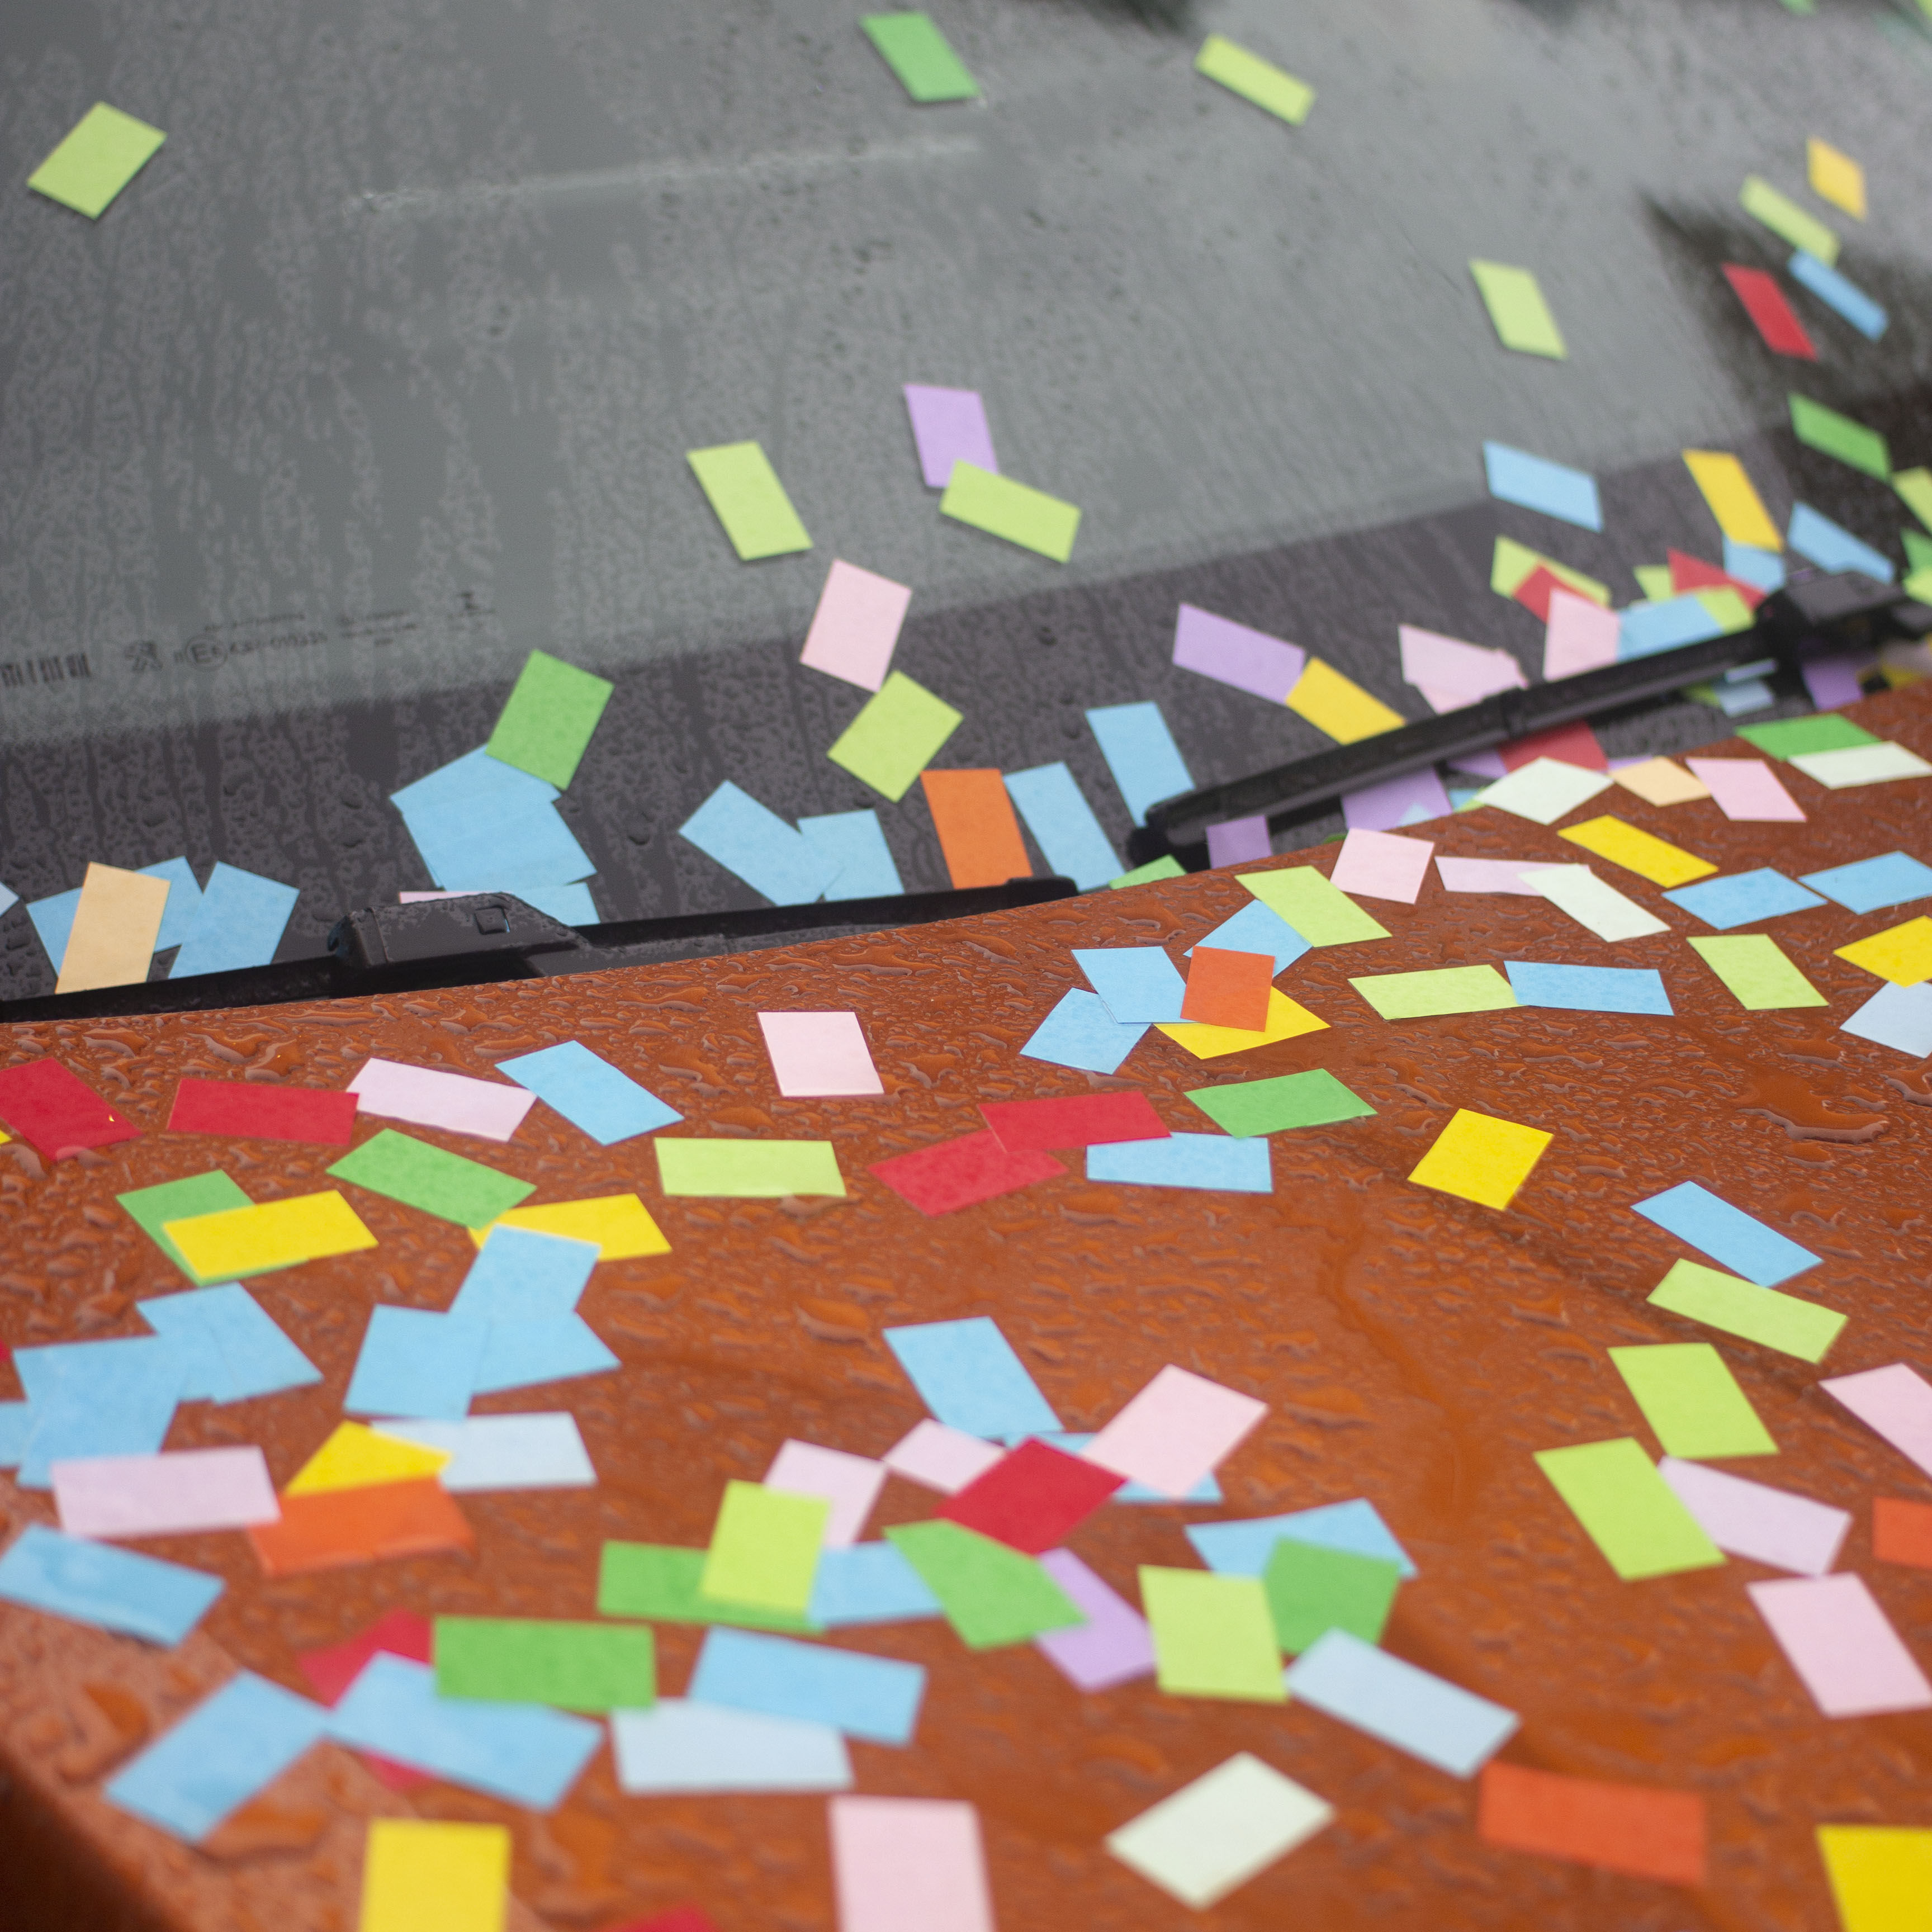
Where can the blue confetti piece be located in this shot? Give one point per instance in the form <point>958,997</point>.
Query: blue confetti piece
<point>875,1698</point>
<point>1836,291</point>
<point>240,923</point>
<point>114,1398</point>
<point>1211,1161</point>
<point>1588,989</point>
<point>1831,547</point>
<point>853,843</point>
<point>521,1275</point>
<point>1743,898</point>
<point>967,1374</point>
<point>1732,1239</point>
<point>1426,1716</point>
<point>1141,753</point>
<point>1870,885</point>
<point>521,1355</point>
<point>1243,1548</point>
<point>1080,1033</point>
<point>1062,825</point>
<point>1537,483</point>
<point>112,1589</point>
<point>594,1096</point>
<point>1677,621</point>
<point>748,839</point>
<point>867,1583</point>
<point>1137,984</point>
<point>1899,1017</point>
<point>232,1350</point>
<point>1257,929</point>
<point>415,1361</point>
<point>1762,569</point>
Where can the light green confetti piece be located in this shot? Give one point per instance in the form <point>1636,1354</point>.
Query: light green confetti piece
<point>1315,1098</point>
<point>1742,1308</point>
<point>1166,867</point>
<point>1918,585</point>
<point>1322,913</point>
<point>1312,1589</point>
<point>659,1582</point>
<point>748,1170</point>
<point>1440,990</point>
<point>1002,508</point>
<point>431,1179</point>
<point>764,1549</point>
<point>1917,552</point>
<point>1692,1401</point>
<point>547,722</point>
<point>745,492</point>
<point>1755,968</point>
<point>1915,489</point>
<point>921,57</point>
<point>1517,307</point>
<point>1213,1635</point>
<point>1861,765</point>
<point>1627,1510</point>
<point>214,1192</point>
<point>1512,564</point>
<point>992,1596</point>
<point>1851,442</point>
<point>1254,79</point>
<point>1787,737</point>
<point>104,151</point>
<point>897,735</point>
<point>1655,580</point>
<point>573,1666</point>
<point>1728,607</point>
<point>1784,217</point>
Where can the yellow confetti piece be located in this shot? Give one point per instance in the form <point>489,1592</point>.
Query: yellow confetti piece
<point>1902,954</point>
<point>1881,1875</point>
<point>422,1877</point>
<point>1733,500</point>
<point>1287,1019</point>
<point>1339,706</point>
<point>1638,851</point>
<point>620,1225</point>
<point>242,1241</point>
<point>358,1458</point>
<point>1479,1158</point>
<point>1836,178</point>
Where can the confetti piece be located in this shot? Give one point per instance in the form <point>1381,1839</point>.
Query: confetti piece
<point>112,1589</point>
<point>854,844</point>
<point>747,498</point>
<point>618,1224</point>
<point>1747,789</point>
<point>547,721</point>
<point>1379,865</point>
<point>1021,515</point>
<point>1255,79</point>
<point>1213,1637</point>
<point>480,823</point>
<point>594,1668</point>
<point>242,1111</point>
<point>232,1350</point>
<point>897,735</point>
<point>869,1583</point>
<point>815,1054</point>
<point>680,1746</point>
<point>1899,1017</point>
<point>1623,1828</point>
<point>331,1670</point>
<point>116,924</point>
<point>1895,1402</point>
<point>1494,875</point>
<point>1113,1646</point>
<point>1243,1548</point>
<point>1513,565</point>
<point>1062,825</point>
<point>1658,781</point>
<point>1840,294</point>
<point>257,1240</point>
<point>1834,435</point>
<point>992,1596</point>
<point>1761,1314</point>
<point>1315,1098</point>
<point>239,923</point>
<point>428,1178</point>
<point>1478,1158</point>
<point>1080,1032</point>
<point>58,1115</point>
<point>230,1746</point>
<point>1861,765</point>
<point>939,1458</point>
<point>1835,1636</point>
<point>1233,654</point>
<point>978,834</point>
<point>453,1102</point>
<point>1879,1874</point>
<point>1313,906</point>
<point>1756,971</point>
<point>1580,636</point>
<point>1077,1120</point>
<point>659,1582</point>
<point>1208,1161</point>
<point>1141,753</point>
<point>1767,1525</point>
<point>1638,851</point>
<point>909,1865</point>
<point>343,1527</point>
<point>1692,1401</point>
<point>89,1399</point>
<point>1226,988</point>
<point>968,1375</point>
<point>1739,1241</point>
<point>97,158</point>
<point>1426,1716</point>
<point>962,1173</point>
<point>355,1456</point>
<point>1166,867</point>
<point>1901,1533</point>
<point>1902,954</point>
<point>1733,501</point>
<point>1786,219</point>
<point>921,58</point>
<point>1745,899</point>
<point>745,837</point>
<point>1311,1591</point>
<point>1176,1431</point>
<point>874,1698</point>
<point>949,426</point>
<point>422,1877</point>
<point>764,1548</point>
<point>1545,789</point>
<point>849,1484</point>
<point>1783,333</point>
<point>748,1170</point>
<point>1339,706</point>
<point>1440,990</point>
<point>177,1494</point>
<point>1407,800</point>
<point>1588,989</point>
<point>488,1453</point>
<point>593,1096</point>
<point>1535,483</point>
<point>1627,1510</point>
<point>1517,311</point>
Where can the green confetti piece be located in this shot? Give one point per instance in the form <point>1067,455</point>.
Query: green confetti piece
<point>1213,1635</point>
<point>1915,489</point>
<point>992,1596</point>
<point>1166,867</point>
<point>764,1549</point>
<point>152,1208</point>
<point>403,1168</point>
<point>1784,217</point>
<point>1440,990</point>
<point>1322,913</point>
<point>1655,581</point>
<point>1315,1098</point>
<point>1312,1589</point>
<point>1918,551</point>
<point>1254,79</point>
<point>1742,1308</point>
<point>897,735</point>
<point>589,1667</point>
<point>546,724</point>
<point>1759,975</point>
<point>1002,508</point>
<point>1692,1401</point>
<point>745,492</point>
<point>1788,737</point>
<point>1728,607</point>
<point>1918,586</point>
<point>1521,316</point>
<point>1627,1510</point>
<point>1851,442</point>
<point>104,151</point>
<point>921,57</point>
<point>748,1170</point>
<point>660,1583</point>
